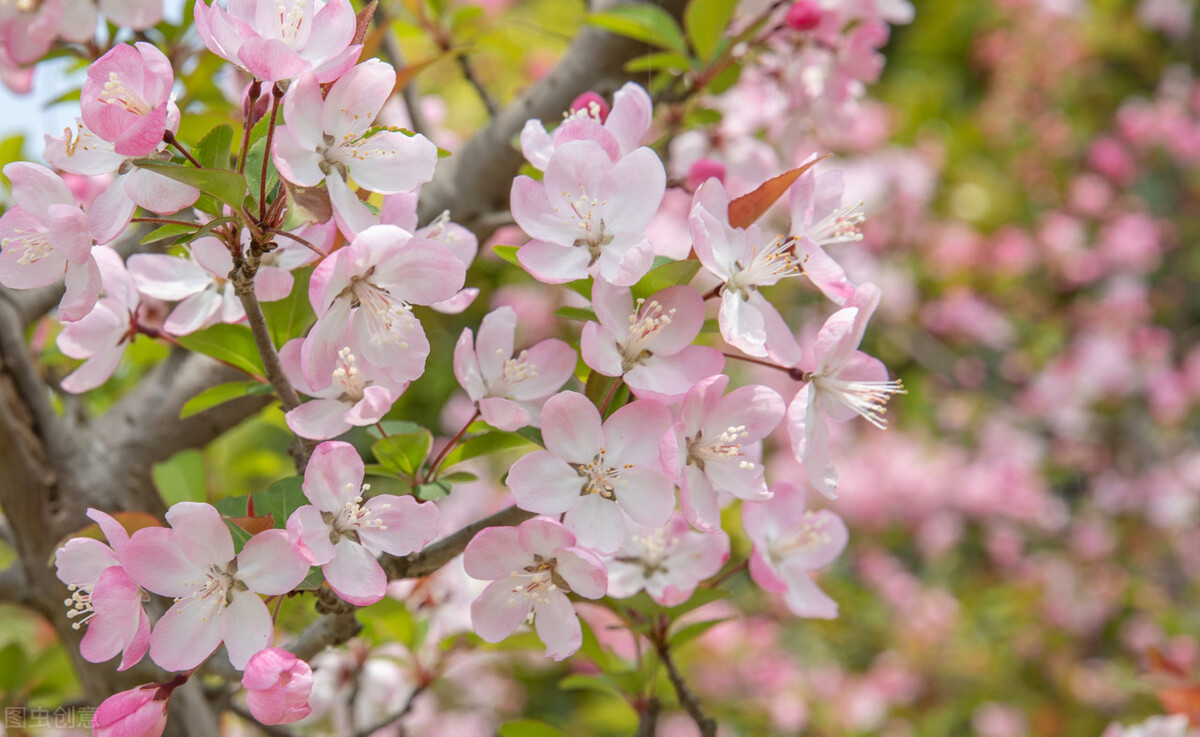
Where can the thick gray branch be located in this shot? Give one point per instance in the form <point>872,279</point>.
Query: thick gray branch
<point>440,553</point>
<point>475,181</point>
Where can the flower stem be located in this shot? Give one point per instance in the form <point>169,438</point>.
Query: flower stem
<point>276,96</point>
<point>252,98</point>
<point>170,139</point>
<point>435,466</point>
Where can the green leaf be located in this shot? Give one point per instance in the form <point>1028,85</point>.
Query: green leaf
<point>530,728</point>
<point>581,682</point>
<point>648,23</point>
<point>533,435</point>
<point>170,230</point>
<point>705,21</point>
<point>181,478</point>
<point>213,149</point>
<point>507,253</point>
<point>492,442</point>
<point>312,581</point>
<point>661,61</point>
<point>254,169</point>
<point>227,186</point>
<point>582,314</point>
<point>233,344</point>
<point>240,536</point>
<point>279,500</point>
<point>404,453</point>
<point>219,394</point>
<point>459,477</point>
<point>699,598</point>
<point>690,632</point>
<point>433,491</point>
<point>667,275</point>
<point>12,669</point>
<point>291,316</point>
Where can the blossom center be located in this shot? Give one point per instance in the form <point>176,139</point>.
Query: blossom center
<point>36,245</point>
<point>354,516</point>
<point>514,371</point>
<point>653,547</point>
<point>347,376</point>
<point>116,92</point>
<point>384,312</point>
<point>290,20</point>
<point>79,605</point>
<point>867,398</point>
<point>722,448</point>
<point>599,477</point>
<point>645,324</point>
<point>585,214</point>
<point>839,226</point>
<point>777,261</point>
<point>538,581</point>
<point>810,533</point>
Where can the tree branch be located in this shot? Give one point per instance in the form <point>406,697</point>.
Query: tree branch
<point>687,699</point>
<point>426,561</point>
<point>476,180</point>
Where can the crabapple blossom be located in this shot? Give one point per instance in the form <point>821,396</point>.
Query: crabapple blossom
<point>330,138</point>
<point>384,270</point>
<point>86,154</point>
<point>588,215</point>
<point>358,393</point>
<point>745,260</point>
<point>844,382</point>
<point>343,534</point>
<point>126,95</point>
<point>594,474</point>
<point>282,40</point>
<point>619,131</point>
<point>510,388</point>
<point>820,220</point>
<point>715,448</point>
<point>103,596</point>
<point>532,568</point>
<point>45,236</point>
<point>789,542</point>
<point>200,284</point>
<point>277,686</point>
<point>138,712</point>
<point>216,590</point>
<point>102,335</point>
<point>668,562</point>
<point>649,344</point>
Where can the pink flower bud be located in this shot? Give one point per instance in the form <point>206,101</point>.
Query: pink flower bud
<point>592,104</point>
<point>277,686</point>
<point>139,712</point>
<point>702,171</point>
<point>804,15</point>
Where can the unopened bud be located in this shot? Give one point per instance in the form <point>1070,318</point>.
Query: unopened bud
<point>804,15</point>
<point>702,171</point>
<point>591,103</point>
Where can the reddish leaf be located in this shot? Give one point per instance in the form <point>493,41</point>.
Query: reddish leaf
<point>254,525</point>
<point>1183,700</point>
<point>1159,664</point>
<point>362,20</point>
<point>749,207</point>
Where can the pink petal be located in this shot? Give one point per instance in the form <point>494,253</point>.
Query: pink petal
<point>632,433</point>
<point>597,523</point>
<point>245,626</point>
<point>497,613</point>
<point>334,476</point>
<point>646,495</point>
<point>503,414</point>
<point>543,483</point>
<point>553,264</point>
<point>83,290</point>
<point>319,419</point>
<point>494,553</point>
<point>698,500</point>
<point>558,626</point>
<point>408,525</point>
<point>583,571</point>
<point>571,427</point>
<point>355,574</point>
<point>269,565</point>
<point>309,535</point>
<point>187,634</point>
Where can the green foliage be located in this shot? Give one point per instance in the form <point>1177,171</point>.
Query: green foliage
<point>666,275</point>
<point>648,23</point>
<point>404,453</point>
<point>181,478</point>
<point>212,151</point>
<point>530,728</point>
<point>220,394</point>
<point>227,186</point>
<point>291,316</point>
<point>705,21</point>
<point>233,344</point>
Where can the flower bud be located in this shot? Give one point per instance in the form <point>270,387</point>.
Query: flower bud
<point>804,15</point>
<point>703,170</point>
<point>277,686</point>
<point>591,103</point>
<point>139,712</point>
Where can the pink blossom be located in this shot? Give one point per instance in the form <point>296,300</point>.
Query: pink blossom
<point>804,15</point>
<point>619,131</point>
<point>532,568</point>
<point>138,712</point>
<point>385,271</point>
<point>819,218</point>
<point>277,686</point>
<point>125,98</point>
<point>103,596</point>
<point>702,170</point>
<point>649,344</point>
<point>744,261</point>
<point>715,449</point>
<point>331,138</point>
<point>510,388</point>
<point>588,215</point>
<point>46,236</point>
<point>215,589</point>
<point>87,154</point>
<point>668,562</point>
<point>101,336</point>
<point>281,41</point>
<point>200,284</point>
<point>343,534</point>
<point>357,393</point>
<point>595,474</point>
<point>789,542</point>
<point>845,382</point>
